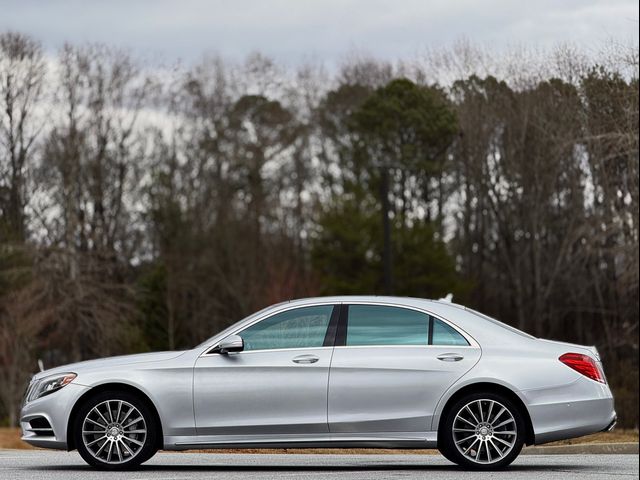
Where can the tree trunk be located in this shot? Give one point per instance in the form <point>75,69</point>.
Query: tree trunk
<point>387,261</point>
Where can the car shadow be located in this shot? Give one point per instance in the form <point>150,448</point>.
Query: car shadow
<point>316,468</point>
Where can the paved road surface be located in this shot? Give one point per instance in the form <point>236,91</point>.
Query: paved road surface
<point>51,465</point>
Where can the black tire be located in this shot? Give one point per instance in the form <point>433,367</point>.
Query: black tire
<point>486,460</point>
<point>444,452</point>
<point>141,453</point>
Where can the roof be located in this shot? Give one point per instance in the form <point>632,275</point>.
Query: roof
<point>485,330</point>
<point>437,307</point>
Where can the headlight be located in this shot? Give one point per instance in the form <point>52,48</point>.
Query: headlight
<point>50,384</point>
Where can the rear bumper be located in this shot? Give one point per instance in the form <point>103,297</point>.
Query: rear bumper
<point>581,408</point>
<point>612,425</point>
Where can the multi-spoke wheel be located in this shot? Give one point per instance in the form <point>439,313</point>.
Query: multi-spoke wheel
<point>115,430</point>
<point>482,431</point>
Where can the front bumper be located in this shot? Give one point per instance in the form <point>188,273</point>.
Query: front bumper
<point>55,409</point>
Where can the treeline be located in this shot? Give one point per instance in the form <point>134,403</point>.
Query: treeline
<point>147,208</point>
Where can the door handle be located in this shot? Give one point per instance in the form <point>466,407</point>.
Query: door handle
<point>450,357</point>
<point>305,359</point>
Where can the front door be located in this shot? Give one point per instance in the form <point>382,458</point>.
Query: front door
<point>276,385</point>
<point>390,367</point>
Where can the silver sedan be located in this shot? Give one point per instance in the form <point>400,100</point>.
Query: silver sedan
<point>378,372</point>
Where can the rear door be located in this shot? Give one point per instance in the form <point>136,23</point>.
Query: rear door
<point>390,367</point>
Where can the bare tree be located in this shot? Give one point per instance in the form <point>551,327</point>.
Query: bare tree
<point>22,72</point>
<point>22,76</point>
<point>90,167</point>
<point>130,220</point>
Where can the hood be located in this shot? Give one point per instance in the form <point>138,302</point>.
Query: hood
<point>101,363</point>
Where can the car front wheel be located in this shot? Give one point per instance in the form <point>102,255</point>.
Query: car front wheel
<point>482,431</point>
<point>115,431</point>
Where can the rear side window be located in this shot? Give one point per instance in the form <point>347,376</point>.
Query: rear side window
<point>443,334</point>
<point>380,325</point>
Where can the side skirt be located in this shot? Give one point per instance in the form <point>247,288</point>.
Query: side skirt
<point>417,440</point>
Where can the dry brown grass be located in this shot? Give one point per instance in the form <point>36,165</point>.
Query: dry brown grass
<point>616,436</point>
<point>10,438</point>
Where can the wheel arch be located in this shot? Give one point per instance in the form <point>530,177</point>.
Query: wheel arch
<point>117,387</point>
<point>490,387</point>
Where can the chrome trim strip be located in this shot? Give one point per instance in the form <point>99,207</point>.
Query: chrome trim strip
<point>329,438</point>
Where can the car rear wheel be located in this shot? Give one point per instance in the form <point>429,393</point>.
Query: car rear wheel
<point>115,431</point>
<point>482,431</point>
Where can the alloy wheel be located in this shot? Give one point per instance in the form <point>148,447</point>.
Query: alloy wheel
<point>114,431</point>
<point>484,431</point>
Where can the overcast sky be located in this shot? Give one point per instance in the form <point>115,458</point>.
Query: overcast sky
<point>296,30</point>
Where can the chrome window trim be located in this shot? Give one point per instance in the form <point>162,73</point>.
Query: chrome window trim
<point>472,341</point>
<point>246,352</point>
<point>406,346</point>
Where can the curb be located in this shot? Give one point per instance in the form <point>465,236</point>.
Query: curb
<point>626,448</point>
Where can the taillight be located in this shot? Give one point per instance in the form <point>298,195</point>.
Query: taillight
<point>583,364</point>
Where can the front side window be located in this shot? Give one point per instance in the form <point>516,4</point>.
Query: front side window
<point>380,325</point>
<point>444,334</point>
<point>299,328</point>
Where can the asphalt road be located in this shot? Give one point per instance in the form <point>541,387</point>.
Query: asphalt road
<point>51,465</point>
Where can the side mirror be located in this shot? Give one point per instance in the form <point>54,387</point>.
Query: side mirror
<point>233,343</point>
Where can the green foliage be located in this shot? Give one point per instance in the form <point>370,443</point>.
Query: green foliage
<point>152,308</point>
<point>422,266</point>
<point>347,254</point>
<point>402,127</point>
<point>407,125</point>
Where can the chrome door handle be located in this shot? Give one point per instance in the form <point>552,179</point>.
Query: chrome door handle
<point>305,359</point>
<point>450,357</point>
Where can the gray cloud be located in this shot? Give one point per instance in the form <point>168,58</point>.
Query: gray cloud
<point>292,30</point>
